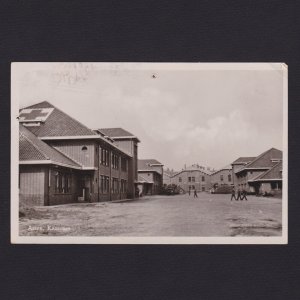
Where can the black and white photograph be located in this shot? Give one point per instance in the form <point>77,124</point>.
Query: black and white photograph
<point>149,153</point>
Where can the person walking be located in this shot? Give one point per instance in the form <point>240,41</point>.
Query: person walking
<point>195,194</point>
<point>239,195</point>
<point>244,195</point>
<point>233,194</point>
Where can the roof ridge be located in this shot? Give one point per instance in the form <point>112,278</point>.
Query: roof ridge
<point>35,146</point>
<point>28,107</point>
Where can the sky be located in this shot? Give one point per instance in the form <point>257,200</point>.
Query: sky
<point>182,115</point>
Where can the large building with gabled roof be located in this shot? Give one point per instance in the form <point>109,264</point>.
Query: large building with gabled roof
<point>222,177</point>
<point>63,161</point>
<point>261,174</point>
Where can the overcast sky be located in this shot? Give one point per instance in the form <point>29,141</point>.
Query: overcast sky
<point>209,117</point>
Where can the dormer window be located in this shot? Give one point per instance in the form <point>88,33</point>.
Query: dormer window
<point>84,148</point>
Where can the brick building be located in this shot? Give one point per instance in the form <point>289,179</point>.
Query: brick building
<point>222,177</point>
<point>260,174</point>
<point>63,161</point>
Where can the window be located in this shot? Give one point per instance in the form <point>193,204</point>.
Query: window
<point>104,157</point>
<point>115,186</point>
<point>62,183</point>
<point>203,189</point>
<point>84,148</point>
<point>203,178</point>
<point>104,184</point>
<point>123,186</point>
<point>221,177</point>
<point>193,179</point>
<point>124,164</point>
<point>189,179</point>
<point>229,178</point>
<point>115,161</point>
<point>179,179</point>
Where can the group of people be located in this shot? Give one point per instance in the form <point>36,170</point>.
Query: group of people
<point>241,195</point>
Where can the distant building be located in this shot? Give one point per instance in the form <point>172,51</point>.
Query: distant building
<point>62,161</point>
<point>261,174</point>
<point>167,178</point>
<point>222,177</point>
<point>194,177</point>
<point>150,179</point>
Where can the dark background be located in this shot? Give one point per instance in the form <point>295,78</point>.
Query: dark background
<point>153,31</point>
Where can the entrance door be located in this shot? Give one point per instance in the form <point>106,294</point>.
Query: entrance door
<point>85,188</point>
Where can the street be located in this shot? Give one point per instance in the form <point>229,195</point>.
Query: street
<point>180,215</point>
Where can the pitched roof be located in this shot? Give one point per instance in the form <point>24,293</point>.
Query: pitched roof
<point>145,164</point>
<point>272,174</point>
<point>117,132</point>
<point>58,124</point>
<point>264,160</point>
<point>243,160</point>
<point>228,167</point>
<point>32,149</point>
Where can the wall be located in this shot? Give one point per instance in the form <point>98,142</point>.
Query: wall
<point>147,175</point>
<point>125,145</point>
<point>216,178</point>
<point>158,169</point>
<point>73,149</point>
<point>113,173</point>
<point>32,185</point>
<point>55,198</point>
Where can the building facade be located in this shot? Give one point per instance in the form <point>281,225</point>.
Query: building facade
<point>63,161</point>
<point>150,173</point>
<point>193,179</point>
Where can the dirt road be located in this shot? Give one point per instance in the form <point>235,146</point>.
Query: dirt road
<point>182,215</point>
